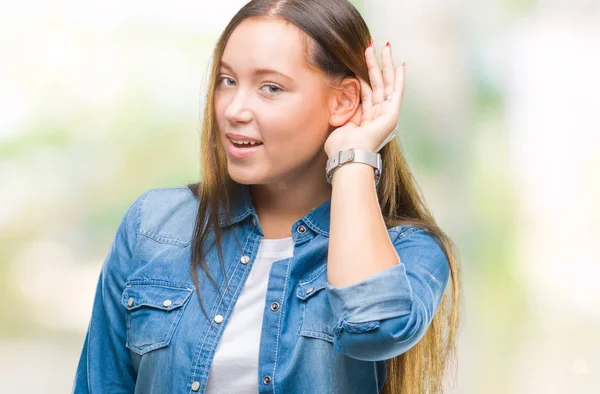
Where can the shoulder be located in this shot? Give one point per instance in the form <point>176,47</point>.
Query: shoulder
<point>411,234</point>
<point>166,215</point>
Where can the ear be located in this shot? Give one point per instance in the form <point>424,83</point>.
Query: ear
<point>343,101</point>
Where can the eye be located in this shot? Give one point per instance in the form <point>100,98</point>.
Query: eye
<point>272,86</point>
<point>221,79</point>
<point>273,89</point>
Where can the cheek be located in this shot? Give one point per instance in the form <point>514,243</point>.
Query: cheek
<point>291,147</point>
<point>298,126</point>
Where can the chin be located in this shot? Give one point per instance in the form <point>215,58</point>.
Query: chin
<point>244,176</point>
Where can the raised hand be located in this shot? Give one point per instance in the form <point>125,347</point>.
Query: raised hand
<point>375,123</point>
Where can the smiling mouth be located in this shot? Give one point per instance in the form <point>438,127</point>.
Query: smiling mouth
<point>247,144</point>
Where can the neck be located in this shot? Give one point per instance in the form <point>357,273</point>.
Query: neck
<point>283,202</point>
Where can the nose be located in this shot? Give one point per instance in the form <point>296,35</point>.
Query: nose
<point>238,110</point>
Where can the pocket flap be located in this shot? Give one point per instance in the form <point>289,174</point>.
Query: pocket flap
<point>315,282</point>
<point>158,296</point>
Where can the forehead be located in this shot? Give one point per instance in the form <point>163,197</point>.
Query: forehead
<point>266,43</point>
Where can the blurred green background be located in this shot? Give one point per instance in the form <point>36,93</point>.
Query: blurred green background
<point>101,101</point>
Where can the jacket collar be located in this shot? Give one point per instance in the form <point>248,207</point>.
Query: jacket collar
<point>242,207</point>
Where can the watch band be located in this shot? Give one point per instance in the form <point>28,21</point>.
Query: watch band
<point>357,156</point>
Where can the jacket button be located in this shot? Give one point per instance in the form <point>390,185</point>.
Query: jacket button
<point>219,319</point>
<point>245,259</point>
<point>274,306</point>
<point>130,301</point>
<point>267,380</point>
<point>196,386</point>
<point>310,290</point>
<point>167,303</point>
<point>301,229</point>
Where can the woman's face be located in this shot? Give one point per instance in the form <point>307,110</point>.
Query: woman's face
<point>267,92</point>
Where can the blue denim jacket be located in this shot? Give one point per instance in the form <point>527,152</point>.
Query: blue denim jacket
<point>147,332</point>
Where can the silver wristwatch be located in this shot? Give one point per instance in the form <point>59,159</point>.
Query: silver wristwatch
<point>354,155</point>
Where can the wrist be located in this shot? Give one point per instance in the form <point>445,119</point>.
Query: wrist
<point>352,155</point>
<point>355,172</point>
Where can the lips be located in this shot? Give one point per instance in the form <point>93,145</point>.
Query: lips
<point>241,138</point>
<point>241,152</point>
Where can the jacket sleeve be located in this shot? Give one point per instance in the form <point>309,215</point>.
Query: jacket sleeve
<point>105,364</point>
<point>387,313</point>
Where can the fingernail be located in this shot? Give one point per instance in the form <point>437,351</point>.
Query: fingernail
<point>403,64</point>
<point>388,44</point>
<point>371,43</point>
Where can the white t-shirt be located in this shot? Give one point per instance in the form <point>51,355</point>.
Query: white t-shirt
<point>234,369</point>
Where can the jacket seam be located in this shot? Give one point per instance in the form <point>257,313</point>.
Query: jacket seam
<point>159,283</point>
<point>164,240</point>
<point>141,201</point>
<point>406,232</point>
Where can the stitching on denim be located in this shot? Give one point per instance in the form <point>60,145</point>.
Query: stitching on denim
<point>408,231</point>
<point>315,291</point>
<point>287,277</point>
<point>313,275</point>
<point>315,227</point>
<point>237,290</point>
<point>234,267</point>
<point>215,307</point>
<point>174,322</point>
<point>128,320</point>
<point>152,235</point>
<point>234,220</point>
<point>239,217</point>
<point>142,349</point>
<point>317,334</point>
<point>164,240</point>
<point>141,201</point>
<point>171,187</point>
<point>159,283</point>
<point>147,301</point>
<point>360,327</point>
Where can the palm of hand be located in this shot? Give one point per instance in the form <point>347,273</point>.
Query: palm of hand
<point>374,123</point>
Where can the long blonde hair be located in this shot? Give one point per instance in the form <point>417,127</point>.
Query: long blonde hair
<point>336,39</point>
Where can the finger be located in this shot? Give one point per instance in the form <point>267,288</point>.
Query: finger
<point>389,74</point>
<point>375,76</point>
<point>357,117</point>
<point>399,82</point>
<point>367,100</point>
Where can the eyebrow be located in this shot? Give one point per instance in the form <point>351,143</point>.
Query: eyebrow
<point>260,71</point>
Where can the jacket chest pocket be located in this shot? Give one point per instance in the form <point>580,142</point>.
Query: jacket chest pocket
<point>153,313</point>
<point>317,317</point>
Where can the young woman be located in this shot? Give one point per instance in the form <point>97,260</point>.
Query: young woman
<point>303,261</point>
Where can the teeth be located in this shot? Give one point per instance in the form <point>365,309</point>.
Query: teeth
<point>245,142</point>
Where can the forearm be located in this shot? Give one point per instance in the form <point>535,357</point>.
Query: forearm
<point>359,244</point>
<point>383,289</point>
